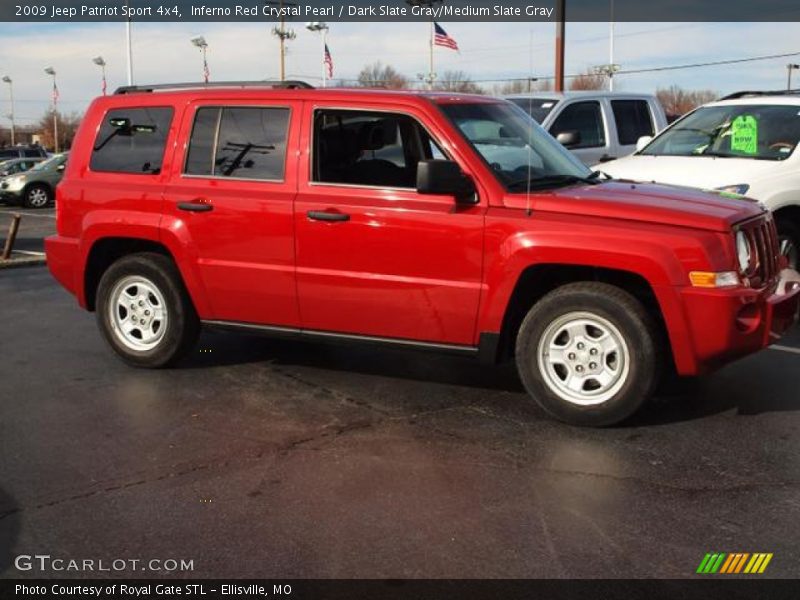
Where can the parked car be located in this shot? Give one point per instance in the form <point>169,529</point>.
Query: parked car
<point>395,218</point>
<point>596,126</point>
<point>32,151</point>
<point>17,165</point>
<point>36,187</point>
<point>743,144</point>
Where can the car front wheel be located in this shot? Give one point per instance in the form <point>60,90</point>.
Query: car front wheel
<point>589,354</point>
<point>144,311</point>
<point>37,196</point>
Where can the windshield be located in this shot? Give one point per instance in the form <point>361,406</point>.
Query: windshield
<point>517,149</point>
<point>764,132</point>
<point>51,162</point>
<point>538,108</point>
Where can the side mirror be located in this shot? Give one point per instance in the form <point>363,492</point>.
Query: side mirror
<point>569,138</point>
<point>643,141</point>
<point>445,177</point>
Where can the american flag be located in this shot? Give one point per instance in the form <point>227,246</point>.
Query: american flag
<point>328,60</point>
<point>441,38</point>
<point>206,71</point>
<point>105,85</point>
<point>55,93</point>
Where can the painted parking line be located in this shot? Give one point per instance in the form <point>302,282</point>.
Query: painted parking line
<point>29,252</point>
<point>786,349</point>
<point>27,214</point>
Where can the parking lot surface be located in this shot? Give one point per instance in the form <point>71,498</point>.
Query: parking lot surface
<point>34,227</point>
<point>266,458</point>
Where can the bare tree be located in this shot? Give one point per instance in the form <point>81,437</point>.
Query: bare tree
<point>523,86</point>
<point>677,101</point>
<point>588,81</point>
<point>67,126</point>
<point>457,81</point>
<point>377,75</point>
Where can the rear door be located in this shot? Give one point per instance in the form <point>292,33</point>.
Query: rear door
<point>374,257</point>
<point>633,119</point>
<point>230,198</point>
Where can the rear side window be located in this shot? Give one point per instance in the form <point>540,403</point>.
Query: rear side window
<point>239,142</point>
<point>132,140</point>
<point>5,154</point>
<point>585,119</point>
<point>33,153</point>
<point>633,120</point>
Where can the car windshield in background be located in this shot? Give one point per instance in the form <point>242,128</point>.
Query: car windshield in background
<point>538,108</point>
<point>764,132</point>
<point>518,150</point>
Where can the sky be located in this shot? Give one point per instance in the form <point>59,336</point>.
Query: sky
<point>488,51</point>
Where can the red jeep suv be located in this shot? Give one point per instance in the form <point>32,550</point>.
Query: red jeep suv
<point>442,221</point>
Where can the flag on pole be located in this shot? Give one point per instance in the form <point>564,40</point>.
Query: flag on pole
<point>206,71</point>
<point>328,61</point>
<point>55,93</point>
<point>105,85</point>
<point>440,38</point>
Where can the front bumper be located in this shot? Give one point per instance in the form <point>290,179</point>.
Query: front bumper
<point>727,324</point>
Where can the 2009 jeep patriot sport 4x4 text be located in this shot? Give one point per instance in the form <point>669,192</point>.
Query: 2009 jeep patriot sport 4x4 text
<point>445,221</point>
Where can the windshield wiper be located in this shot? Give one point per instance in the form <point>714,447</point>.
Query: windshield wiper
<point>554,181</point>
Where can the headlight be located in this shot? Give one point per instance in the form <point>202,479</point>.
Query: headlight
<point>743,252</point>
<point>739,189</point>
<point>13,181</point>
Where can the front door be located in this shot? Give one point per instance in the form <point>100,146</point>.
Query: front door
<point>230,198</point>
<point>374,257</point>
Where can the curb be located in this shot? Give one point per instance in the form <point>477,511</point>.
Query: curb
<point>28,261</point>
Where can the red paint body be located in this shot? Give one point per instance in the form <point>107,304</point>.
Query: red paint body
<point>405,266</point>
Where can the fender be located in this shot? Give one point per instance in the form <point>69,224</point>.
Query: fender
<point>102,224</point>
<point>646,250</point>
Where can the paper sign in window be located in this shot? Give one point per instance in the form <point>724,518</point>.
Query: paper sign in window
<point>744,134</point>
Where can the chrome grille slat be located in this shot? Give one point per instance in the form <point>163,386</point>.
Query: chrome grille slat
<point>764,241</point>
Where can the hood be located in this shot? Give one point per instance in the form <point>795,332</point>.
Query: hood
<point>648,203</point>
<point>704,172</point>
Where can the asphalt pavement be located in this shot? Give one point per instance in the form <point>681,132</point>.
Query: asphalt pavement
<point>265,458</point>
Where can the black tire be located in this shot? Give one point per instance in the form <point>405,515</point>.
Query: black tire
<point>789,231</point>
<point>632,322</point>
<point>32,196</point>
<point>182,325</point>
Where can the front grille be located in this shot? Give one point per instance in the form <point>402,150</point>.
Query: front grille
<point>764,245</point>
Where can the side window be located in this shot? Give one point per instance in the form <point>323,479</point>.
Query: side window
<point>369,148</point>
<point>5,154</point>
<point>132,140</point>
<point>584,118</point>
<point>32,153</point>
<point>633,120</point>
<point>239,142</point>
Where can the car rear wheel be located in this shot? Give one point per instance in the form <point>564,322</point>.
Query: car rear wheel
<point>37,196</point>
<point>144,311</point>
<point>588,353</point>
<point>789,240</point>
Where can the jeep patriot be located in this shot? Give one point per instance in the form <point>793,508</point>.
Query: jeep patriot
<point>440,221</point>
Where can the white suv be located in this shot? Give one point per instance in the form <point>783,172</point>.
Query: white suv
<point>743,144</point>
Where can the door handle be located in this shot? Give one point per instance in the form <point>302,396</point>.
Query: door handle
<point>606,158</point>
<point>195,206</point>
<point>323,215</point>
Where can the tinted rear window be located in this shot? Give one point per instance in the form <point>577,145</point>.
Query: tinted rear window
<point>633,120</point>
<point>239,142</point>
<point>132,140</point>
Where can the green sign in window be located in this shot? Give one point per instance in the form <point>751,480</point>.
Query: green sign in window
<point>744,134</point>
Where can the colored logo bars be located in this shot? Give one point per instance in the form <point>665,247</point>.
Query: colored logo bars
<point>736,562</point>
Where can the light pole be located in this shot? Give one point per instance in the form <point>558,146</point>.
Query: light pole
<point>128,43</point>
<point>322,29</point>
<point>10,83</point>
<point>789,68</point>
<point>201,43</point>
<point>100,62</point>
<point>430,78</point>
<point>52,72</point>
<point>281,32</point>
<point>611,46</point>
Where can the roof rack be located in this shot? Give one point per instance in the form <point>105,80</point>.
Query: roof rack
<point>755,93</point>
<point>287,85</point>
